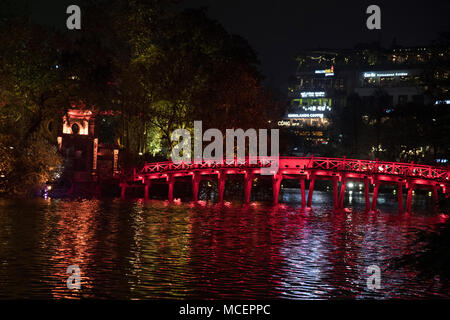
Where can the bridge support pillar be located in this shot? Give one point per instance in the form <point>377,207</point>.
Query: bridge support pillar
<point>146,187</point>
<point>276,183</point>
<point>409,198</point>
<point>342,193</point>
<point>310,192</point>
<point>171,182</point>
<point>248,181</point>
<point>366,193</point>
<point>195,186</point>
<point>375,196</point>
<point>221,179</point>
<point>335,192</point>
<point>302,187</point>
<point>435,199</point>
<point>400,197</point>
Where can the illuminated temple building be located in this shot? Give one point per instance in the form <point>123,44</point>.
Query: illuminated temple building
<point>325,78</point>
<point>87,161</point>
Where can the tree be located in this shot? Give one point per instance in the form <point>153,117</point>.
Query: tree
<point>189,69</point>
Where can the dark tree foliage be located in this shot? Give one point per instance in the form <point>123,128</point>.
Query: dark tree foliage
<point>408,132</point>
<point>154,68</point>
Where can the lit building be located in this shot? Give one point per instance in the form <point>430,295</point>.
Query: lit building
<point>325,78</point>
<point>86,160</point>
<point>308,115</point>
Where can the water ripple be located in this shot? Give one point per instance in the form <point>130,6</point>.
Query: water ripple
<point>140,250</point>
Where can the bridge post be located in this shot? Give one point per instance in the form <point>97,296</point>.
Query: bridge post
<point>342,193</point>
<point>221,179</point>
<point>276,182</point>
<point>171,182</point>
<point>248,181</point>
<point>335,192</point>
<point>366,193</point>
<point>147,185</point>
<point>400,197</point>
<point>302,186</point>
<point>310,191</point>
<point>195,186</point>
<point>375,195</point>
<point>409,196</point>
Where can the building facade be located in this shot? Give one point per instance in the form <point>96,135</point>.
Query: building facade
<point>86,159</point>
<point>326,78</point>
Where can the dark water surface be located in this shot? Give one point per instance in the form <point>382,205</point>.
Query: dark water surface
<point>140,250</point>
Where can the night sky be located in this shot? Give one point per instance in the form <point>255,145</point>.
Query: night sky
<point>279,29</point>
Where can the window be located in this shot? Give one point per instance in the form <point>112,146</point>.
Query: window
<point>75,128</point>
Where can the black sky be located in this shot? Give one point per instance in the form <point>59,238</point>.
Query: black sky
<point>277,30</point>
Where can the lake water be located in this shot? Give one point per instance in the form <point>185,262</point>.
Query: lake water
<point>140,250</point>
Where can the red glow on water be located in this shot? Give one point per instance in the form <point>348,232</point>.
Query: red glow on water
<point>202,203</point>
<point>258,251</point>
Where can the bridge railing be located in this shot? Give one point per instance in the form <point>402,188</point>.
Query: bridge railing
<point>206,164</point>
<point>333,164</point>
<point>381,167</point>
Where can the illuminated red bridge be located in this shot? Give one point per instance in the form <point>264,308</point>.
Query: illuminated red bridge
<point>408,175</point>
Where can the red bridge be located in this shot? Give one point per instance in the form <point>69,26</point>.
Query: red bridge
<point>337,170</point>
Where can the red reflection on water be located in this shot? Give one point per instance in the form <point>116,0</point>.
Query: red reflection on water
<point>153,249</point>
<point>234,252</point>
<point>74,244</point>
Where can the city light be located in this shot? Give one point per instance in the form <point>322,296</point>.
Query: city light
<point>305,115</point>
<point>312,94</point>
<point>316,108</point>
<point>327,72</point>
<point>384,74</point>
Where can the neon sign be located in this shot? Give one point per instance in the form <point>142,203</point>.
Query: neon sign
<point>305,115</point>
<point>384,74</point>
<point>284,123</point>
<point>312,94</point>
<point>316,108</point>
<point>327,72</point>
